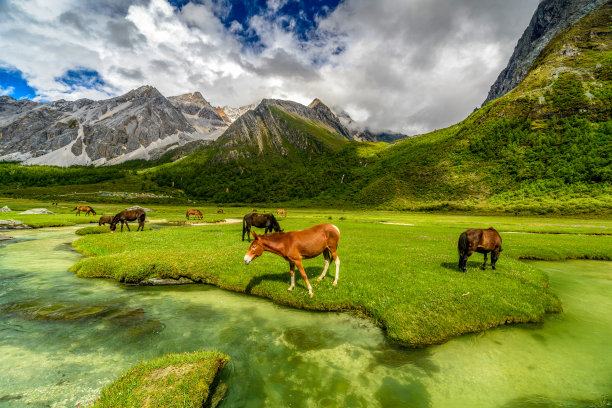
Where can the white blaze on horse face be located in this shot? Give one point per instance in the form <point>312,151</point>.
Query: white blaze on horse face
<point>247,259</point>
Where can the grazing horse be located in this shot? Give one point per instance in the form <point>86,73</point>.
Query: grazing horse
<point>105,219</point>
<point>129,215</point>
<point>195,213</point>
<point>85,208</point>
<point>258,220</point>
<point>297,245</point>
<point>281,211</point>
<point>220,211</point>
<point>479,240</point>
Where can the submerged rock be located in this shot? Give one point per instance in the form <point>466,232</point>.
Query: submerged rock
<point>37,211</point>
<point>5,237</point>
<point>163,282</point>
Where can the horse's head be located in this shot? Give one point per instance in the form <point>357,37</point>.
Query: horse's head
<point>277,227</point>
<point>93,212</point>
<point>113,226</point>
<point>255,249</point>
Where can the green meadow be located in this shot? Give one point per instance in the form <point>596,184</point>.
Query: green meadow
<point>398,269</point>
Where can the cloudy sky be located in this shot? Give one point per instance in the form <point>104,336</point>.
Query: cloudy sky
<point>406,65</point>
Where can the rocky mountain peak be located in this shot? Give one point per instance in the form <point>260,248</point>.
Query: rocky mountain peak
<point>145,91</point>
<point>550,18</point>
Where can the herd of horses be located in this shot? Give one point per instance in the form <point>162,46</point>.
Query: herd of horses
<point>294,246</point>
<point>123,217</point>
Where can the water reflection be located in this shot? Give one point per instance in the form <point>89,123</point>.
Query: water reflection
<point>65,337</point>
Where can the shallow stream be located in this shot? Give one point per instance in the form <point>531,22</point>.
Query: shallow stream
<point>63,338</point>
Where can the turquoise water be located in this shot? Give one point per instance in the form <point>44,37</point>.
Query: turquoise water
<point>63,338</point>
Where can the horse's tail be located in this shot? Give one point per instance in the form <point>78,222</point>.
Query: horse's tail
<point>463,244</point>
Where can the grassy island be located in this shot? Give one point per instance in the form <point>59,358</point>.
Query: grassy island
<point>174,380</point>
<point>399,269</point>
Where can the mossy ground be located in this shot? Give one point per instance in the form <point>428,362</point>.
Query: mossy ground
<point>174,380</point>
<point>404,277</point>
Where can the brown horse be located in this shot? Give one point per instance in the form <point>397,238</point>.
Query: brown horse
<point>482,241</point>
<point>281,211</point>
<point>220,211</point>
<point>297,245</point>
<point>195,213</point>
<point>85,208</point>
<point>258,220</point>
<point>105,219</point>
<point>129,215</point>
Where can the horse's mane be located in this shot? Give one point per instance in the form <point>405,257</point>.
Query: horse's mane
<point>273,235</point>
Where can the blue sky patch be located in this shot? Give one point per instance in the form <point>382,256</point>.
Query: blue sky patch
<point>13,84</point>
<point>82,78</point>
<point>304,15</point>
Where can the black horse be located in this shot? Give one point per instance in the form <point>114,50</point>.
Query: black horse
<point>129,215</point>
<point>482,241</point>
<point>266,221</point>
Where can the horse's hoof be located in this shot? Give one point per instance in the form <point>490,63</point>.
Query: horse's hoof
<point>319,279</point>
<point>311,295</point>
<point>335,283</point>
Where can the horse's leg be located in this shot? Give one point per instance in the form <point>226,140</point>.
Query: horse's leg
<point>327,262</point>
<point>494,257</point>
<point>464,260</point>
<point>484,265</point>
<point>291,269</point>
<point>303,273</point>
<point>128,226</point>
<point>337,261</point>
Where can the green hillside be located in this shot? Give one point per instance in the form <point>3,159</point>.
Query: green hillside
<point>544,147</point>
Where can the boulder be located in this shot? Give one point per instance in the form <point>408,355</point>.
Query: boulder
<point>13,224</point>
<point>37,211</point>
<point>137,207</point>
<point>5,209</point>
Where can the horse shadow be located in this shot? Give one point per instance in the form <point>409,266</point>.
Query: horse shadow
<point>285,277</point>
<point>454,266</point>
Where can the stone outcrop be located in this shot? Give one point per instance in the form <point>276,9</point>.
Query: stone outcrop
<point>550,18</point>
<point>37,211</point>
<point>13,224</point>
<point>137,207</point>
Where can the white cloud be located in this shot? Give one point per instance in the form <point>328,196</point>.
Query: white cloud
<point>405,65</point>
<point>6,91</point>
